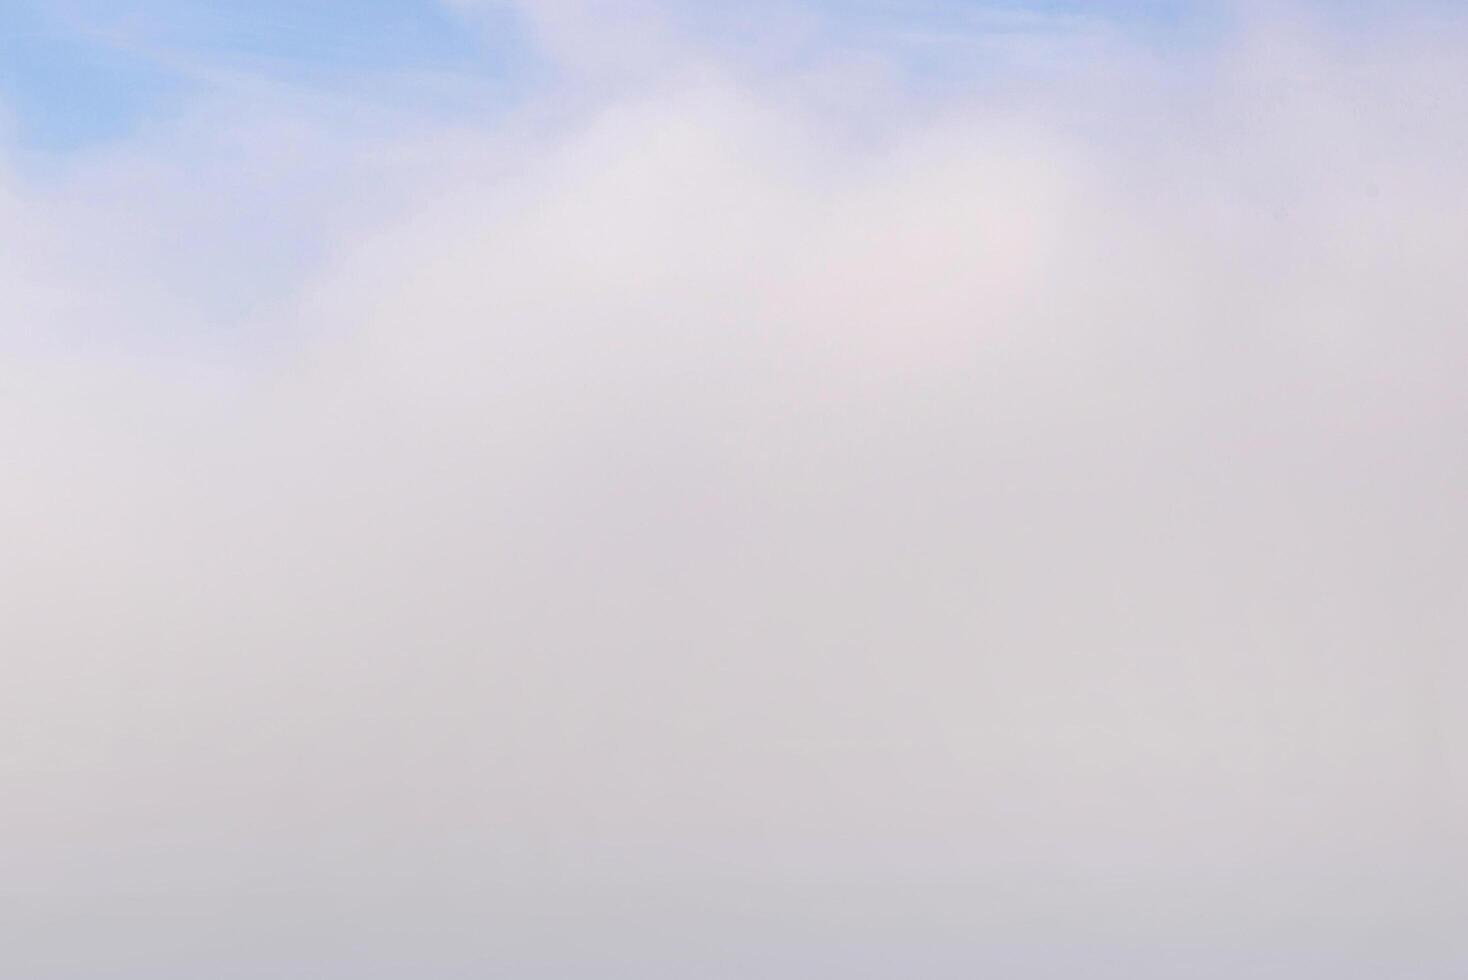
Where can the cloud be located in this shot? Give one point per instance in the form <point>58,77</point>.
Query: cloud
<point>683,533</point>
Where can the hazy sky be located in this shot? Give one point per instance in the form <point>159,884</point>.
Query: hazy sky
<point>660,490</point>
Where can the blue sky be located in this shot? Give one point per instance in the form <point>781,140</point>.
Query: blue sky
<point>74,73</point>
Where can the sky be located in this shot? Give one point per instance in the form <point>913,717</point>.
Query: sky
<point>81,72</point>
<point>555,489</point>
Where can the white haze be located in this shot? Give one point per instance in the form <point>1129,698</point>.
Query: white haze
<point>765,522</point>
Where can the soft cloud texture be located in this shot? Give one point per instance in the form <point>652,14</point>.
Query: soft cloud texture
<point>732,528</point>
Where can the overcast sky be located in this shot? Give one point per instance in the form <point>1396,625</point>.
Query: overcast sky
<point>661,490</point>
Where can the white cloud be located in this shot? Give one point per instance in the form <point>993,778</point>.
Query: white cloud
<point>683,538</point>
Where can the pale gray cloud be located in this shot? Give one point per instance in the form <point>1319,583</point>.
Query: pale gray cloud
<point>678,535</point>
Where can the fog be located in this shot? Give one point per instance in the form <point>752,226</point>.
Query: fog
<point>749,520</point>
